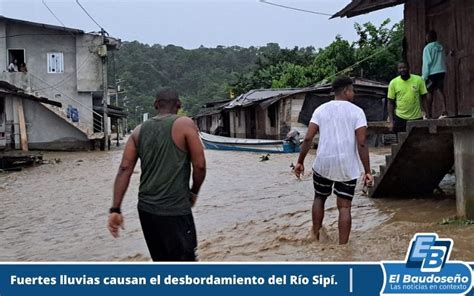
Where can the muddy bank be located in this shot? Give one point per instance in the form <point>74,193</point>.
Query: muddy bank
<point>248,211</point>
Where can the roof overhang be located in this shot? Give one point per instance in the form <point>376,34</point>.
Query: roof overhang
<point>111,42</point>
<point>358,7</point>
<point>9,89</point>
<point>112,111</point>
<point>46,26</point>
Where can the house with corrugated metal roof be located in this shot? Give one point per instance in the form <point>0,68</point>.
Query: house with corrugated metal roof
<point>266,113</point>
<point>272,113</point>
<point>369,95</point>
<point>212,119</point>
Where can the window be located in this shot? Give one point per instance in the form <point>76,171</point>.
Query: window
<point>55,62</point>
<point>16,57</point>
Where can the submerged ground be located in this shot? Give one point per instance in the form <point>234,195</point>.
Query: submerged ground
<point>248,211</point>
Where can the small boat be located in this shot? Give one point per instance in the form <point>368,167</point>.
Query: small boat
<point>253,145</point>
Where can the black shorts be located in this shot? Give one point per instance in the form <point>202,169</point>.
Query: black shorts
<point>323,187</point>
<point>437,82</point>
<point>169,238</point>
<point>400,124</point>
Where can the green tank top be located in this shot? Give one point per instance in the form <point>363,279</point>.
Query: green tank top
<point>166,169</point>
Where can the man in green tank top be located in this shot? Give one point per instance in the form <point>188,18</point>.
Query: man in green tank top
<point>168,146</point>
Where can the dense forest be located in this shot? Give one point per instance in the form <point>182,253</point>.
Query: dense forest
<point>214,74</point>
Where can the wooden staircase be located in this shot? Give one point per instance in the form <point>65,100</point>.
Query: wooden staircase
<point>417,163</point>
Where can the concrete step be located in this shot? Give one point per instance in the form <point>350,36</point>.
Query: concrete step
<point>382,170</point>
<point>416,165</point>
<point>402,137</point>
<point>95,136</point>
<point>394,149</point>
<point>376,181</point>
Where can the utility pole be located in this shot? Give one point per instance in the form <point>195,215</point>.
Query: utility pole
<point>116,105</point>
<point>118,89</point>
<point>103,55</point>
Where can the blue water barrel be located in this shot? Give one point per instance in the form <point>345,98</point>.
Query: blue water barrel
<point>74,114</point>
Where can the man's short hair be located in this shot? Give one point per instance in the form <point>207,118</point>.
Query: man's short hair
<point>432,36</point>
<point>340,83</point>
<point>404,63</point>
<point>166,97</point>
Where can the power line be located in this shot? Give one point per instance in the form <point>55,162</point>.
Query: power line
<point>82,7</point>
<point>347,69</point>
<point>294,8</point>
<point>44,3</point>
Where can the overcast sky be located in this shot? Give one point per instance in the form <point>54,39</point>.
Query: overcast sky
<point>192,23</point>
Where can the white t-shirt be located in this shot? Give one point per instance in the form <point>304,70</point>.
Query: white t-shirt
<point>12,67</point>
<point>337,158</point>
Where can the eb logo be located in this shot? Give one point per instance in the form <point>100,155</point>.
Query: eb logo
<point>428,252</point>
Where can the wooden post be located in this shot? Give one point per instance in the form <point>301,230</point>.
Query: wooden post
<point>21,118</point>
<point>464,167</point>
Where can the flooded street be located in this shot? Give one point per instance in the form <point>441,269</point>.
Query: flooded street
<point>248,211</point>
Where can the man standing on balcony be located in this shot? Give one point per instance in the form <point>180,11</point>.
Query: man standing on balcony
<point>433,72</point>
<point>406,94</point>
<point>167,145</point>
<point>13,67</point>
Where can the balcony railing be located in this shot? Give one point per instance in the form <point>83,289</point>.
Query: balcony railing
<point>18,79</point>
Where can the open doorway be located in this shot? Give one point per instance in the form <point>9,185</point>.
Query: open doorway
<point>18,55</point>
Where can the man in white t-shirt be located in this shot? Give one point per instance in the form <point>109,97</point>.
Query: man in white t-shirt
<point>13,67</point>
<point>342,127</point>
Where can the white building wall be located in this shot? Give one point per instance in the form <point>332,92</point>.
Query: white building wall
<point>3,46</point>
<point>82,65</point>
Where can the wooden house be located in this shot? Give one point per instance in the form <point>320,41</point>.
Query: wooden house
<point>212,120</point>
<point>369,95</point>
<point>272,113</point>
<point>266,113</point>
<point>454,24</point>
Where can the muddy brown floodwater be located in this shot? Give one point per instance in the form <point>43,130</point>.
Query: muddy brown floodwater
<point>248,211</point>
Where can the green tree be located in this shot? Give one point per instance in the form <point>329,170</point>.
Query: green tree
<point>379,49</point>
<point>339,55</point>
<point>213,74</point>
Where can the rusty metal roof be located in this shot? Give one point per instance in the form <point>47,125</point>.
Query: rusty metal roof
<point>266,97</point>
<point>257,95</point>
<point>211,108</point>
<point>358,7</point>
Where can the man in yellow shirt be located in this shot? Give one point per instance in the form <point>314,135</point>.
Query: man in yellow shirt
<point>406,95</point>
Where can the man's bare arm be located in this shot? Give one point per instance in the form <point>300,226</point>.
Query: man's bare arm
<point>129,159</point>
<point>363,150</point>
<point>125,171</point>
<point>425,105</point>
<point>391,112</point>
<point>307,143</point>
<point>196,153</point>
